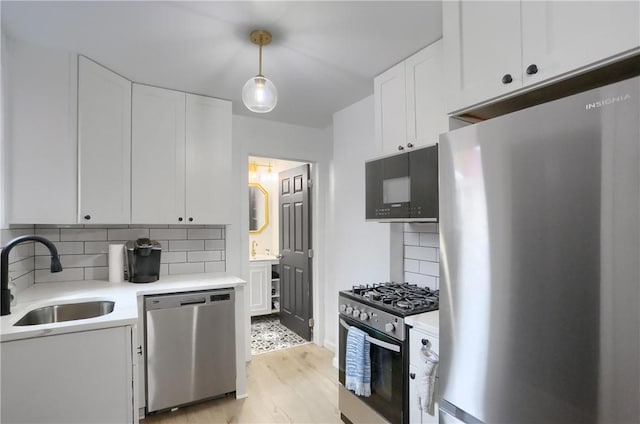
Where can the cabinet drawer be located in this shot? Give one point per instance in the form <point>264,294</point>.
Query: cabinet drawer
<point>415,344</point>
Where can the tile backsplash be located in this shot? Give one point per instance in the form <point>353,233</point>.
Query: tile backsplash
<point>84,250</point>
<point>21,263</point>
<point>422,254</point>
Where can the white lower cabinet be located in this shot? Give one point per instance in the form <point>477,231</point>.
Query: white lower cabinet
<point>260,287</point>
<point>264,291</point>
<point>417,338</point>
<point>84,377</point>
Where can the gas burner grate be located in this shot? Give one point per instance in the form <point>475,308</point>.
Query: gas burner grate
<point>403,297</point>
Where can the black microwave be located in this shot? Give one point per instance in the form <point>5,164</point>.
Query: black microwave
<point>403,187</point>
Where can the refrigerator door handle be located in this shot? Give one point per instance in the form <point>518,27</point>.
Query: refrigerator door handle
<point>375,341</point>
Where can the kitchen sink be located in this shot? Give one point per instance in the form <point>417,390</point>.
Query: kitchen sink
<point>66,312</point>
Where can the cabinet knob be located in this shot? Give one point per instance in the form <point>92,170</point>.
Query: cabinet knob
<point>424,342</point>
<point>532,69</point>
<point>87,217</point>
<point>506,79</point>
<point>400,147</point>
<point>412,375</point>
<point>409,145</point>
<point>190,219</point>
<point>180,218</point>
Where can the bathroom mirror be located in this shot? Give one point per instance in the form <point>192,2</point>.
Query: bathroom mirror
<point>258,208</point>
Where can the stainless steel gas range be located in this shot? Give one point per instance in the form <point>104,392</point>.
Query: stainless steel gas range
<point>379,310</point>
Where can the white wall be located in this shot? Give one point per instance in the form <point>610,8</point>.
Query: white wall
<point>360,253</point>
<point>259,137</point>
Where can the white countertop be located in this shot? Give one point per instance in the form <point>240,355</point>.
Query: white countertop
<point>124,295</point>
<point>428,321</point>
<point>263,258</point>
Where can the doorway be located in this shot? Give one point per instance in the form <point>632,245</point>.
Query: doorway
<point>272,294</point>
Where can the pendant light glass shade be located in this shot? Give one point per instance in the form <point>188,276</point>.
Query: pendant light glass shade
<point>259,94</point>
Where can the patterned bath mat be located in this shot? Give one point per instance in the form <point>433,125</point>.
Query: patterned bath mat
<point>267,334</point>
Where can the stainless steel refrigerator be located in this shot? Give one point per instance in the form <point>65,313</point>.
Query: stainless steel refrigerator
<point>540,263</point>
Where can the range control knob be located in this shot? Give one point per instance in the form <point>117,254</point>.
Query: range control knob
<point>356,313</point>
<point>343,307</point>
<point>364,316</point>
<point>349,310</point>
<point>389,327</point>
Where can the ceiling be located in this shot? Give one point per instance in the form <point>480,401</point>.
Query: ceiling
<point>323,56</point>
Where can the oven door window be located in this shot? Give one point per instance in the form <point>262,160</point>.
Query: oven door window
<point>387,373</point>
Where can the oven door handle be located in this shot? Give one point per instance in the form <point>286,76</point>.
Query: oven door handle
<point>375,341</point>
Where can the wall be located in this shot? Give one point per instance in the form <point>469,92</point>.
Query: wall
<point>360,249</point>
<point>422,255</point>
<point>259,137</point>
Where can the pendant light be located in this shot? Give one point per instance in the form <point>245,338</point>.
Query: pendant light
<point>259,94</point>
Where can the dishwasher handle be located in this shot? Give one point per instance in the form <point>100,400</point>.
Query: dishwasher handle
<point>188,299</point>
<point>193,301</point>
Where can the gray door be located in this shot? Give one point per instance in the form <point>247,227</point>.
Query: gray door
<point>295,243</point>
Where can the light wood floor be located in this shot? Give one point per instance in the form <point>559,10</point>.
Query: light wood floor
<point>295,385</point>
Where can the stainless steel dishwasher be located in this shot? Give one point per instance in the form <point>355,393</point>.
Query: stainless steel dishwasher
<point>190,347</point>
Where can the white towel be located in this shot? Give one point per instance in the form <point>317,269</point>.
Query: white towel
<point>427,380</point>
<point>358,362</point>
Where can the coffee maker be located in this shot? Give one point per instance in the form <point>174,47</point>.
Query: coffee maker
<point>143,260</point>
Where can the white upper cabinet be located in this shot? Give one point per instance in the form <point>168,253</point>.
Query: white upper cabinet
<point>495,48</point>
<point>560,36</point>
<point>389,93</point>
<point>409,107</point>
<point>40,118</point>
<point>157,149</point>
<point>181,158</point>
<point>208,160</point>
<point>104,144</point>
<point>482,50</point>
<point>426,112</point>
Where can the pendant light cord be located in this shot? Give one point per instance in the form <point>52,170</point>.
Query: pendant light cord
<point>260,60</point>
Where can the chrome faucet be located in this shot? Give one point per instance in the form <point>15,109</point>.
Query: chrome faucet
<point>4,265</point>
<point>253,248</point>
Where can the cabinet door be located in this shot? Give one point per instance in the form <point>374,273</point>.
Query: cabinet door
<point>426,114</point>
<point>158,156</point>
<point>560,36</point>
<point>104,142</point>
<point>481,46</point>
<point>415,413</point>
<point>40,112</point>
<point>260,288</point>
<point>208,160</point>
<point>390,104</point>
<point>83,377</point>
<point>416,365</point>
